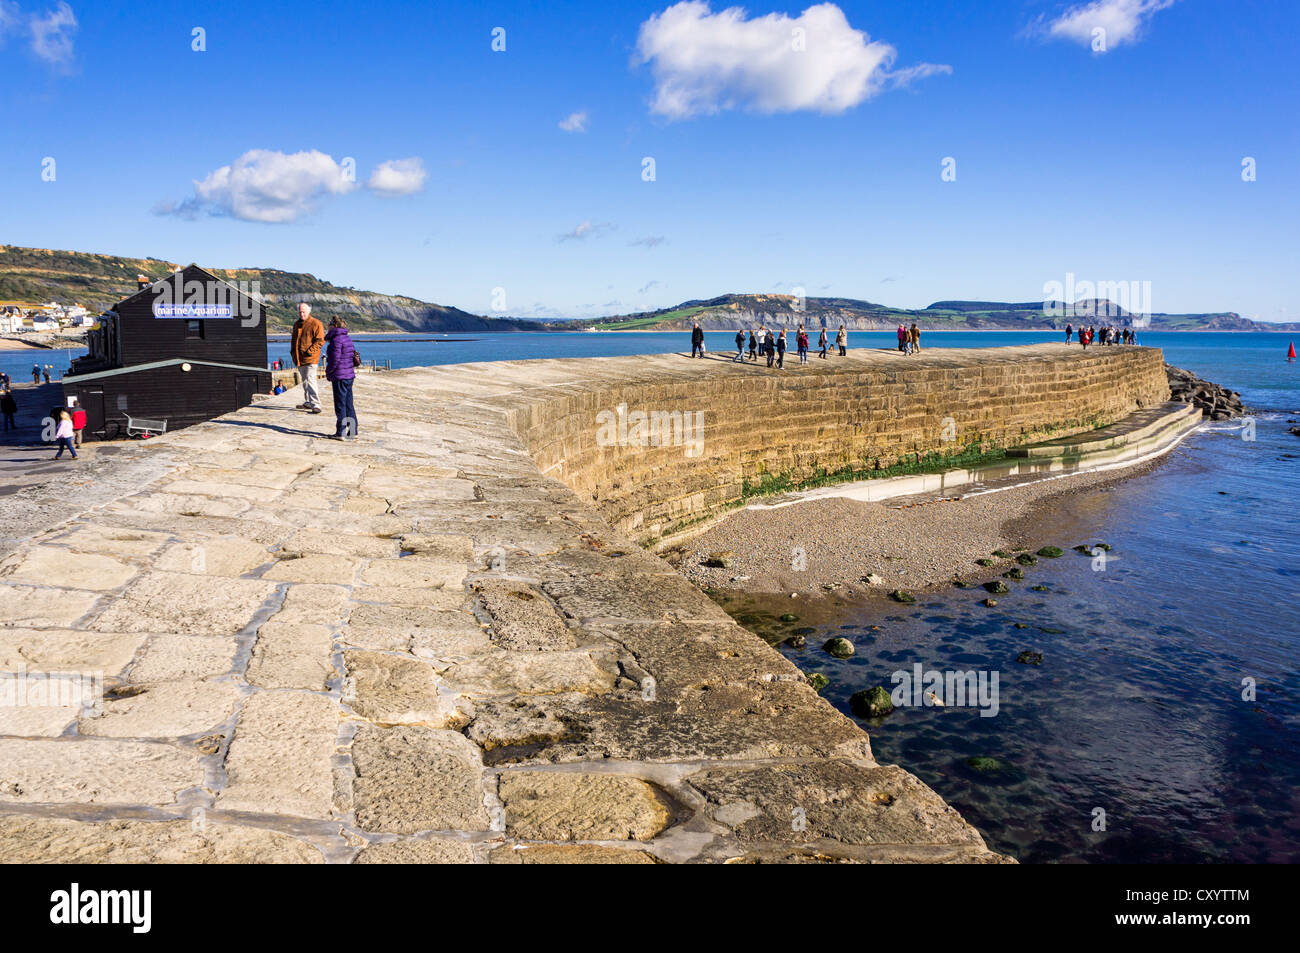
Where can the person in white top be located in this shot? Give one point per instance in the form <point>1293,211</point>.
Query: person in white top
<point>63,435</point>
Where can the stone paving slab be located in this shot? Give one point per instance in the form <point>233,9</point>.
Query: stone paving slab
<point>420,646</point>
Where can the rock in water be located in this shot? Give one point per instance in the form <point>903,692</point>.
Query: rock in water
<point>899,595</point>
<point>1215,402</point>
<point>872,703</point>
<point>1030,658</point>
<point>839,647</point>
<point>818,681</point>
<point>1050,552</point>
<point>997,587</point>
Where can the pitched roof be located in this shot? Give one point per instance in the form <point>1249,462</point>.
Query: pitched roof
<point>189,271</point>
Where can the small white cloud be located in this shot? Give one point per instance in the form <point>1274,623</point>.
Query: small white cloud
<point>650,241</point>
<point>574,122</point>
<point>705,62</point>
<point>52,35</point>
<point>656,283</point>
<point>584,230</point>
<point>398,177</point>
<point>1121,21</point>
<point>266,186</point>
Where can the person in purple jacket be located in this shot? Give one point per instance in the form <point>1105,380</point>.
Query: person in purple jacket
<point>340,371</point>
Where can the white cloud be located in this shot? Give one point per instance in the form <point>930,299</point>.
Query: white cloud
<point>267,186</point>
<point>650,241</point>
<point>705,62</point>
<point>1122,20</point>
<point>574,122</point>
<point>398,177</point>
<point>584,230</point>
<point>52,35</point>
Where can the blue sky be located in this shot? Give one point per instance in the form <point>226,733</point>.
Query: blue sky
<point>775,168</point>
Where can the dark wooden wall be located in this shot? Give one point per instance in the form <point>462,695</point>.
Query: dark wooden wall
<point>168,393</point>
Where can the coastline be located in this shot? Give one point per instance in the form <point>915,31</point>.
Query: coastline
<point>914,547</point>
<point>11,344</point>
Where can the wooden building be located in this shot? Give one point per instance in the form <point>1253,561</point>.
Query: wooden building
<point>184,349</point>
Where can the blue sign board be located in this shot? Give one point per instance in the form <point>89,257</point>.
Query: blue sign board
<point>193,311</point>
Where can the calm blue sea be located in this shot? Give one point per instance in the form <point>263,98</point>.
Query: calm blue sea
<point>1137,709</point>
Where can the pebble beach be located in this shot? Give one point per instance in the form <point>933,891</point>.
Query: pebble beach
<point>908,545</point>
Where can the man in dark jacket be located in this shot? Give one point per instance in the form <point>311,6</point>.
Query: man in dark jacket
<point>740,347</point>
<point>341,372</point>
<point>697,341</point>
<point>8,407</point>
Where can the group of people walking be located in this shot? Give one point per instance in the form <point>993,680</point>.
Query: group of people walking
<point>771,345</point>
<point>909,339</point>
<point>341,363</point>
<point>1107,335</point>
<point>39,371</point>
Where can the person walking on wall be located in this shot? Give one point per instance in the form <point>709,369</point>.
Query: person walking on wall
<point>801,340</point>
<point>769,347</point>
<point>842,340</point>
<point>740,347</point>
<point>36,373</point>
<point>902,339</point>
<point>63,435</point>
<point>8,407</point>
<point>304,349</point>
<point>914,335</point>
<point>697,341</point>
<point>1069,330</point>
<point>753,346</point>
<point>780,350</point>
<point>341,361</point>
<point>821,342</point>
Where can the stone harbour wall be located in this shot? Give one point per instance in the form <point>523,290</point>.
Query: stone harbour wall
<point>868,411</point>
<point>429,645</point>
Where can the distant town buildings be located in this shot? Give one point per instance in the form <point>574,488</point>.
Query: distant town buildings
<point>17,317</point>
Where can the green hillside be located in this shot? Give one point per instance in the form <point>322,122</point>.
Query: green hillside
<point>38,275</point>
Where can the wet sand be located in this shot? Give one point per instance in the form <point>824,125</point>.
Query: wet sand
<point>925,545</point>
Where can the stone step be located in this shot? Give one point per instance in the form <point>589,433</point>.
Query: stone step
<point>1134,429</point>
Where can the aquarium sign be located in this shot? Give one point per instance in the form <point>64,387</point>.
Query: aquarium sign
<point>192,311</point>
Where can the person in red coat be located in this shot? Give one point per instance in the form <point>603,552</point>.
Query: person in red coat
<point>78,420</point>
